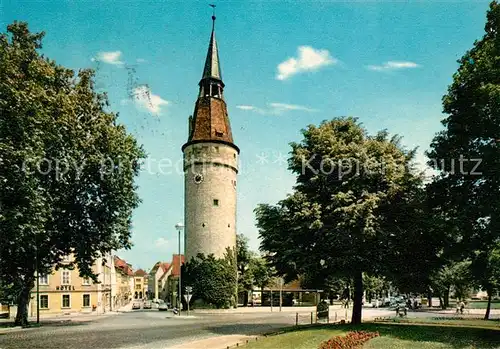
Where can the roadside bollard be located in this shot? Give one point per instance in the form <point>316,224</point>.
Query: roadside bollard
<point>296,319</point>
<point>311,318</point>
<point>335,316</point>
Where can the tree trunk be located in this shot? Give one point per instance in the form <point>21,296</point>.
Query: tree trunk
<point>245,298</point>
<point>441,303</point>
<point>488,307</point>
<point>22,303</point>
<point>446,299</point>
<point>358,299</point>
<point>429,299</point>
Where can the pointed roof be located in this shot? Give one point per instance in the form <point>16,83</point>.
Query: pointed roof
<point>210,120</point>
<point>165,266</point>
<point>212,63</point>
<point>140,272</point>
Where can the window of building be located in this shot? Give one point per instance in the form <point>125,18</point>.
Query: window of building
<point>44,301</point>
<point>86,281</point>
<point>43,279</point>
<point>66,301</point>
<point>65,277</point>
<point>216,202</point>
<point>86,300</point>
<point>138,287</point>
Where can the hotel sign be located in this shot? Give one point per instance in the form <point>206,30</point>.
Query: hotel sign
<point>65,288</point>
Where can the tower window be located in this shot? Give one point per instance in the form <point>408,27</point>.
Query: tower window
<point>219,134</point>
<point>216,202</point>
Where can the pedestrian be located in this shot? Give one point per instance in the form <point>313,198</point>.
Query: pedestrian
<point>462,307</point>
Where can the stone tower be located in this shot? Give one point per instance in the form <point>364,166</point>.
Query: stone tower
<point>210,167</point>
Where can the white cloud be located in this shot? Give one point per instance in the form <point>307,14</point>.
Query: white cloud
<point>246,107</point>
<point>145,99</point>
<point>161,242</point>
<point>276,108</point>
<point>308,59</point>
<point>110,57</point>
<point>284,107</point>
<point>140,60</point>
<point>393,65</point>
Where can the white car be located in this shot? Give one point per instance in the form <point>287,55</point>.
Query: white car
<point>163,307</point>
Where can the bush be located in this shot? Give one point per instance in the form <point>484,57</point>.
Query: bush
<point>351,340</point>
<point>322,310</point>
<point>214,281</point>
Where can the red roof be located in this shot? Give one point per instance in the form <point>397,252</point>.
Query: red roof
<point>123,266</point>
<point>140,272</point>
<point>176,264</point>
<point>165,266</point>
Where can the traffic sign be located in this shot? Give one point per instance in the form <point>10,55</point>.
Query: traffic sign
<point>187,297</point>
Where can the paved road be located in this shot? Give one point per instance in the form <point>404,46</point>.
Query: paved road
<point>151,329</point>
<point>141,329</point>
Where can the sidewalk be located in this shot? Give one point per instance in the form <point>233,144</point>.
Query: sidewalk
<point>219,342</point>
<point>61,318</point>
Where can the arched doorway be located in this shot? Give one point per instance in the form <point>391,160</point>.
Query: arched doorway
<point>140,294</point>
<point>136,295</point>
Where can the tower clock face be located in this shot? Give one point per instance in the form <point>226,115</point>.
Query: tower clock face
<point>198,178</point>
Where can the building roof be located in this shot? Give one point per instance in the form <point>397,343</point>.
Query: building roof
<point>210,120</point>
<point>212,64</point>
<point>123,266</point>
<point>163,265</point>
<point>140,272</point>
<point>176,263</point>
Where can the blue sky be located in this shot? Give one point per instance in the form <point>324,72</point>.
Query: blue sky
<point>285,65</point>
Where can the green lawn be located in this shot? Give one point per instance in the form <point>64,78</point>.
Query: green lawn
<point>425,336</point>
<point>480,305</point>
<point>453,321</point>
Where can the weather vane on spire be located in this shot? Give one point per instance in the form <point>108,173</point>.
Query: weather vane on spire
<point>213,15</point>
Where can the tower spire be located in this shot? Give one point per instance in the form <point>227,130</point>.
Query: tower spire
<point>210,120</point>
<point>213,16</point>
<point>212,66</point>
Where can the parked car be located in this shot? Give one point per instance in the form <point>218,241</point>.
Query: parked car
<point>163,307</point>
<point>136,305</point>
<point>147,305</point>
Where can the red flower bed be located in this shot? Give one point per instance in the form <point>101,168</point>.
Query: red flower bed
<point>351,340</point>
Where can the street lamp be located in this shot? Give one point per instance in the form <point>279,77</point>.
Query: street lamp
<point>179,227</point>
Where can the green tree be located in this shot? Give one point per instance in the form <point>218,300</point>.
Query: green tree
<point>335,220</point>
<point>452,276</point>
<point>214,280</point>
<point>486,271</point>
<point>374,286</point>
<point>467,152</point>
<point>67,167</point>
<point>262,273</point>
<point>244,258</point>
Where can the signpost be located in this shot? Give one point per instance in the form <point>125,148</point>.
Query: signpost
<point>188,296</point>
